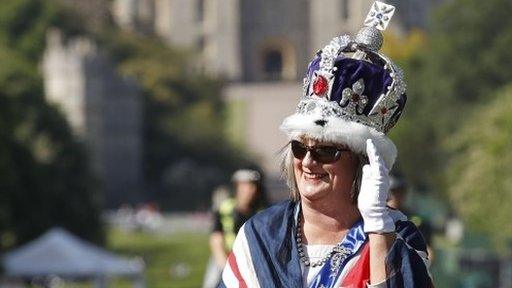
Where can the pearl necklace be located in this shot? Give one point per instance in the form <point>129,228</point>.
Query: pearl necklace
<point>305,259</point>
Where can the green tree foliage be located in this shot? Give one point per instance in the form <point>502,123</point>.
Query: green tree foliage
<point>44,179</point>
<point>470,44</point>
<point>480,184</point>
<point>463,62</point>
<point>24,23</point>
<point>457,72</point>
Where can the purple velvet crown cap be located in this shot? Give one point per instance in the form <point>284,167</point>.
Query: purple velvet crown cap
<point>376,80</point>
<point>364,100</point>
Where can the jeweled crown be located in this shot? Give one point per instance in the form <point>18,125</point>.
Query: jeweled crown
<point>350,78</point>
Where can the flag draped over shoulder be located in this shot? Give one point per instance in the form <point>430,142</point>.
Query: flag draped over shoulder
<point>265,255</point>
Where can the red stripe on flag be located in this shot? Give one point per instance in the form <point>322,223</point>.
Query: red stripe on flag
<point>234,268</point>
<point>359,276</point>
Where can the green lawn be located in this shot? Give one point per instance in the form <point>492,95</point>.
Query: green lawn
<point>171,260</point>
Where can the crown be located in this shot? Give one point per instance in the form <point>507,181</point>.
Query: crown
<point>379,111</point>
<point>351,91</point>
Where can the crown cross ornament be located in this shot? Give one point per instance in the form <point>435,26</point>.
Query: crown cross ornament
<point>377,20</point>
<point>379,16</point>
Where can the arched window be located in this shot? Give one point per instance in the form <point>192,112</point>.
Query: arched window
<point>276,57</point>
<point>273,64</point>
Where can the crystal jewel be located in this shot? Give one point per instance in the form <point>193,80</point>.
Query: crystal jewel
<point>320,85</point>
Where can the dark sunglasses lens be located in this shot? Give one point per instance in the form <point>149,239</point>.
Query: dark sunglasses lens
<point>326,154</point>
<point>299,150</point>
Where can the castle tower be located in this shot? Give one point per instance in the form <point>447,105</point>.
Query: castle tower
<point>103,109</point>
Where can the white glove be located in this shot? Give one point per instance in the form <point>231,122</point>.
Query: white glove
<point>374,193</point>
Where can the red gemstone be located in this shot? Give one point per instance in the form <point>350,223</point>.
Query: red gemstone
<point>320,85</point>
<point>384,110</point>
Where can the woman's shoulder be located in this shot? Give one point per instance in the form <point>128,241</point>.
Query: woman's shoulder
<point>408,231</point>
<point>275,215</point>
<point>276,211</point>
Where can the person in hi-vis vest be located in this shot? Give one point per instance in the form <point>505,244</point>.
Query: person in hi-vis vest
<point>232,213</point>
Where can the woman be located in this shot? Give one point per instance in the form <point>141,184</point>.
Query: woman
<point>337,231</point>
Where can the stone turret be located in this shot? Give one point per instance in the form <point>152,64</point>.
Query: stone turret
<point>104,110</point>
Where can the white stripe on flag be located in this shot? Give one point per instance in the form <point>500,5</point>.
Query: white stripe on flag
<point>244,259</point>
<point>229,277</point>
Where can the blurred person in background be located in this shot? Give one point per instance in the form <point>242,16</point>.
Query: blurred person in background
<point>398,199</point>
<point>232,213</point>
<point>337,230</point>
<point>219,195</point>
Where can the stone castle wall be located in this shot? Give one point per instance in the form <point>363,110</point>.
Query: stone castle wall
<point>104,110</point>
<point>231,37</point>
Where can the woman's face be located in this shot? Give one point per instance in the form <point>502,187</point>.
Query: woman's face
<point>316,180</point>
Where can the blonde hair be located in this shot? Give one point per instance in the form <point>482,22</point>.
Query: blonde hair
<point>288,173</point>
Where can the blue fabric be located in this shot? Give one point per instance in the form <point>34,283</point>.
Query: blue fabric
<point>273,247</point>
<point>410,233</point>
<point>406,266</point>
<point>274,251</point>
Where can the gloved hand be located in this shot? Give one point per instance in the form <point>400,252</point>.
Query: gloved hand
<point>374,193</point>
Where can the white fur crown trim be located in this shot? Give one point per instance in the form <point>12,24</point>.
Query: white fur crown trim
<point>337,130</point>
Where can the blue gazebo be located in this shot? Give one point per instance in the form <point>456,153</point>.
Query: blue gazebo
<point>58,253</point>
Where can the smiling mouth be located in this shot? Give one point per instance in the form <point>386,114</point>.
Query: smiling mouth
<point>314,176</point>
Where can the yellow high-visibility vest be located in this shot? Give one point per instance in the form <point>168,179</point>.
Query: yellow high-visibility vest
<point>226,211</point>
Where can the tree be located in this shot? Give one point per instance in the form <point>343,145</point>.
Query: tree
<point>479,182</point>
<point>23,24</point>
<point>460,66</point>
<point>452,99</point>
<point>45,179</point>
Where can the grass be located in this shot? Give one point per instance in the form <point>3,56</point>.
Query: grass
<point>177,260</point>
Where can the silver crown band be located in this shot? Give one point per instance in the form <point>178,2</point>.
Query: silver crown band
<point>325,109</point>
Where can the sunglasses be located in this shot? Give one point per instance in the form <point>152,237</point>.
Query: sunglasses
<point>321,154</point>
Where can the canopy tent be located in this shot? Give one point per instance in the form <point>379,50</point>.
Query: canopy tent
<point>60,253</point>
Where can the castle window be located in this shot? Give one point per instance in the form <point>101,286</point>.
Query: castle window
<point>276,60</point>
<point>344,10</point>
<point>273,64</point>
